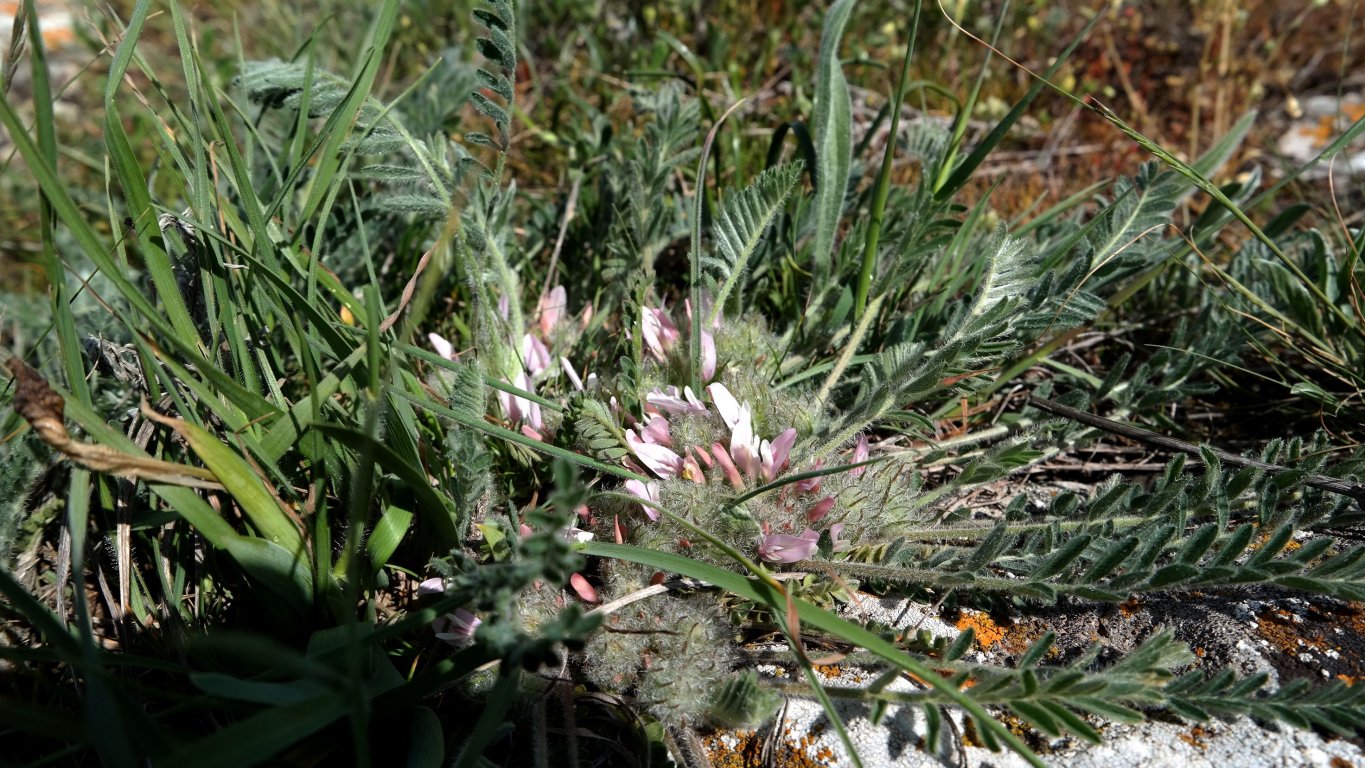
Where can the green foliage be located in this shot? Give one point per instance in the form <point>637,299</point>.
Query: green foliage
<point>832,136</point>
<point>741,224</point>
<point>282,258</point>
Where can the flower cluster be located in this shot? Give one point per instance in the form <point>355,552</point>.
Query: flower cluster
<point>660,336</point>
<point>533,359</point>
<point>455,628</point>
<point>747,460</point>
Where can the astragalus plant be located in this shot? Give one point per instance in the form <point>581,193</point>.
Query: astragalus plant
<point>383,459</point>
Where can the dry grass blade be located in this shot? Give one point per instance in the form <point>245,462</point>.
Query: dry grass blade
<point>42,408</point>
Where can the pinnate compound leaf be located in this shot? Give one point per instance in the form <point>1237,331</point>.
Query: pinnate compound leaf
<point>831,123</point>
<point>739,228</point>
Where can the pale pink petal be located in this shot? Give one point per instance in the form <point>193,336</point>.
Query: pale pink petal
<point>583,589</point>
<point>504,306</point>
<point>534,355</point>
<point>812,484</point>
<point>657,458</point>
<point>456,628</point>
<point>510,404</point>
<point>784,548</point>
<point>656,431</point>
<point>531,433</point>
<point>708,356</point>
<point>658,331</point>
<point>551,308</point>
<point>669,400</point>
<point>780,453</point>
<point>839,546</point>
<point>859,455</point>
<point>726,465</point>
<point>702,455</point>
<point>434,586</point>
<point>649,331</point>
<point>519,408</point>
<point>443,348</point>
<point>726,404</point>
<point>820,509</point>
<point>647,491</point>
<point>569,371</point>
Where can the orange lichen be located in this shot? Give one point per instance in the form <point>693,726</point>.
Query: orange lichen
<point>745,749</point>
<point>1011,638</point>
<point>1264,537</point>
<point>1327,632</point>
<point>1197,737</point>
<point>988,633</point>
<point>1341,762</point>
<point>1278,627</point>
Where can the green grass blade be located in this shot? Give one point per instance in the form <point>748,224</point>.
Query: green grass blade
<point>954,183</point>
<point>436,508</point>
<point>262,736</point>
<point>883,188</point>
<point>134,185</point>
<point>247,488</point>
<point>493,430</point>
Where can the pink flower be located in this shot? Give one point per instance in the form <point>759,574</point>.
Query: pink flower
<point>647,491</point>
<point>534,354</point>
<point>456,628</point>
<point>839,546</point>
<point>434,586</point>
<point>656,431</point>
<point>859,455</point>
<point>656,458</point>
<point>517,408</point>
<point>756,458</point>
<point>670,401</point>
<point>773,456</point>
<point>659,332</point>
<point>551,308</point>
<point>692,470</point>
<point>443,348</point>
<point>784,548</point>
<point>708,356</point>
